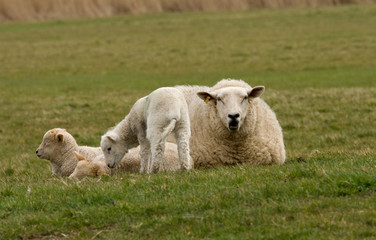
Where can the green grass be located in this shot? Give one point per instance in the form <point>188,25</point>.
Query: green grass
<point>319,69</point>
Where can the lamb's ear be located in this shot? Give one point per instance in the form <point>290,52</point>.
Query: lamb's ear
<point>79,156</point>
<point>206,96</point>
<point>256,92</point>
<point>110,138</point>
<point>60,137</point>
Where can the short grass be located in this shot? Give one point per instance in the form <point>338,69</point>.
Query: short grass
<point>319,69</point>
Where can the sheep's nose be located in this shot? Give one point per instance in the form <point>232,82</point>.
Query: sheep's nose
<point>109,165</point>
<point>36,151</point>
<point>234,116</point>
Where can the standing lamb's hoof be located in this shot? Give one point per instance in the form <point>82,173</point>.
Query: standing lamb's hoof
<point>184,167</point>
<point>154,169</point>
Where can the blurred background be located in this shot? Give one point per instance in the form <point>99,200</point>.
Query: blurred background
<point>33,10</point>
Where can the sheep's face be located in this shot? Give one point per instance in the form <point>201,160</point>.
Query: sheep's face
<point>113,149</point>
<point>52,141</point>
<point>231,104</point>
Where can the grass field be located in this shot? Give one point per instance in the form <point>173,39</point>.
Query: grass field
<point>319,69</point>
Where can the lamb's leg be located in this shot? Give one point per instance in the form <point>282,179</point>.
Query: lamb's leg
<point>157,146</point>
<point>145,155</point>
<point>183,135</point>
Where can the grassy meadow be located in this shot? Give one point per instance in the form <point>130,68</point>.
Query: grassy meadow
<point>319,69</point>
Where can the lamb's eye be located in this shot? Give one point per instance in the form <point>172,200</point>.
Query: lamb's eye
<point>109,149</point>
<point>245,98</point>
<point>220,100</point>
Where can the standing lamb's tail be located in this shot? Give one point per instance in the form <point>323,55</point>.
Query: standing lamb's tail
<point>167,130</point>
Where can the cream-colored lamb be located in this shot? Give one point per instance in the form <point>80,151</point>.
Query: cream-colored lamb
<point>230,125</point>
<point>150,121</point>
<point>58,147</point>
<point>130,163</point>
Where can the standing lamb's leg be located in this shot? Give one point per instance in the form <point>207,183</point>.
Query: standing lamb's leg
<point>144,154</point>
<point>157,146</point>
<point>183,135</point>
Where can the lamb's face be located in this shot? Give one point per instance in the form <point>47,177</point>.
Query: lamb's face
<point>52,141</point>
<point>113,149</point>
<point>87,167</point>
<point>101,168</point>
<point>84,168</point>
<point>232,104</point>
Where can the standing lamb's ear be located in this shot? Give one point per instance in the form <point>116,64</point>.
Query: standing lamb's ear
<point>110,138</point>
<point>256,92</point>
<point>206,96</point>
<point>60,137</point>
<point>79,156</point>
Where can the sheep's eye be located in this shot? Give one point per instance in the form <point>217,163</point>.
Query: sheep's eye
<point>245,98</point>
<point>109,149</point>
<point>220,100</point>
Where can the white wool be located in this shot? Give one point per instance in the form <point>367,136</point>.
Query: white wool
<point>258,140</point>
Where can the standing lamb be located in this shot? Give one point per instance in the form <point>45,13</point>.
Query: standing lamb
<point>150,121</point>
<point>58,147</point>
<point>230,125</point>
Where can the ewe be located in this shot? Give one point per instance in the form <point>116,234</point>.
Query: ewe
<point>150,121</point>
<point>58,147</point>
<point>130,163</point>
<point>230,125</point>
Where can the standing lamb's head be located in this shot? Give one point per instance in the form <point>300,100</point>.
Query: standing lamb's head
<point>113,148</point>
<point>232,103</point>
<point>54,142</point>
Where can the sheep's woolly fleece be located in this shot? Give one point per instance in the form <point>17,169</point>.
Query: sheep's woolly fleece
<point>259,141</point>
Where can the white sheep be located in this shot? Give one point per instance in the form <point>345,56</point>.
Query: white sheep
<point>58,147</point>
<point>230,125</point>
<point>129,163</point>
<point>149,122</point>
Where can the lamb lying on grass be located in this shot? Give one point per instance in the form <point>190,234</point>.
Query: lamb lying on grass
<point>58,147</point>
<point>150,121</point>
<point>230,125</point>
<point>130,163</point>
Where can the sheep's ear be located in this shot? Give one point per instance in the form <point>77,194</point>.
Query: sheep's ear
<point>60,137</point>
<point>256,92</point>
<point>79,156</point>
<point>206,96</point>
